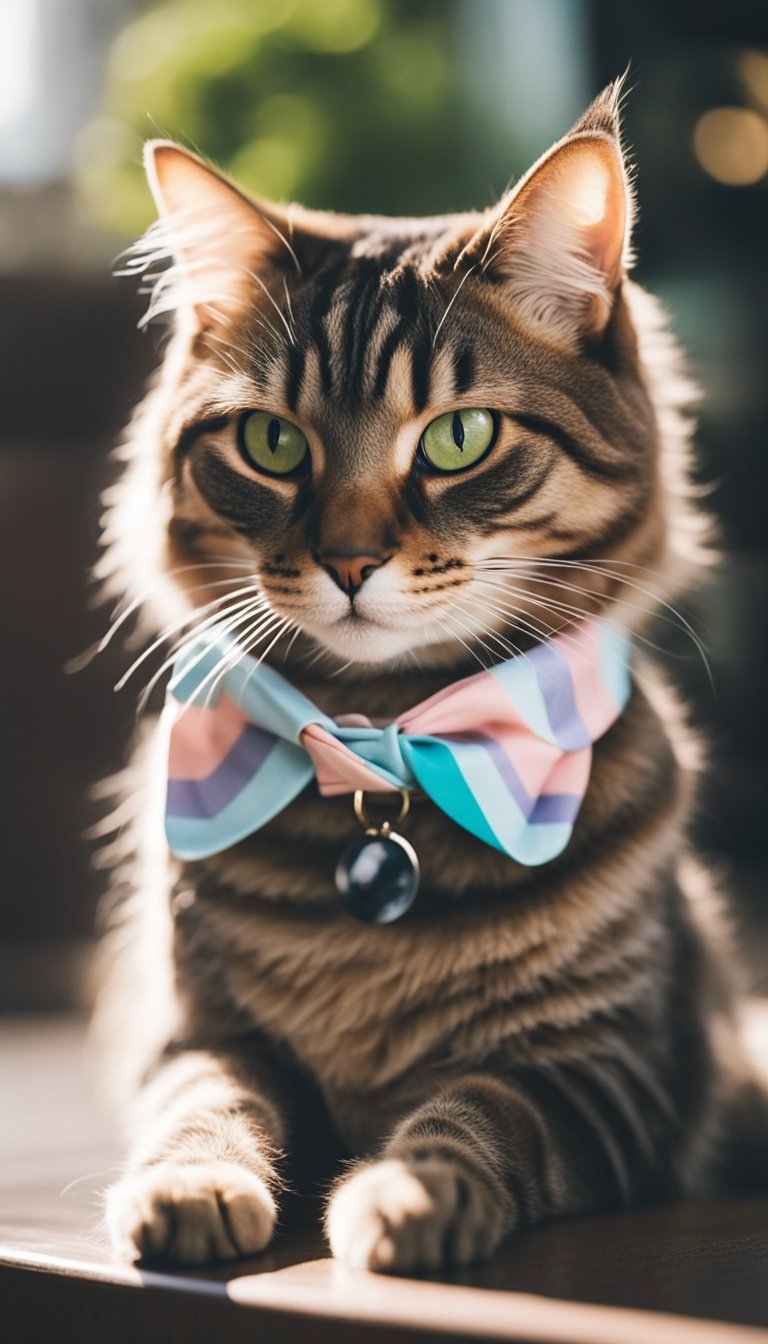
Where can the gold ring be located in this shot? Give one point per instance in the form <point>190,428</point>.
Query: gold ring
<point>365,820</point>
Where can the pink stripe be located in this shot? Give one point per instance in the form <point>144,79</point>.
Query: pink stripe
<point>435,711</point>
<point>530,757</point>
<point>338,770</point>
<point>480,701</point>
<point>201,738</point>
<point>570,774</point>
<point>596,706</point>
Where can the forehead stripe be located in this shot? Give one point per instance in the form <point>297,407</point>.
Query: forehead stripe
<point>420,366</point>
<point>463,369</point>
<point>389,345</point>
<point>294,375</point>
<point>356,324</point>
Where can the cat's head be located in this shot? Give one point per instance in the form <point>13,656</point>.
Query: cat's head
<point>410,435</point>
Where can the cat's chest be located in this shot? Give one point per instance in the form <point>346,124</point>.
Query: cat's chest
<point>356,1005</point>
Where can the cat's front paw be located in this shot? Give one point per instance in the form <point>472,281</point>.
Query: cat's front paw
<point>404,1216</point>
<point>190,1213</point>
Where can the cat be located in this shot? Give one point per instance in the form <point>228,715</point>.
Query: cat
<point>384,454</point>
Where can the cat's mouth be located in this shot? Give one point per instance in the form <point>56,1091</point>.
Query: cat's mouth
<point>366,640</point>
<point>356,618</point>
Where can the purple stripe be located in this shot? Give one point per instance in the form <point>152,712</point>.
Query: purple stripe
<point>556,807</point>
<point>556,684</point>
<point>548,807</point>
<point>208,796</point>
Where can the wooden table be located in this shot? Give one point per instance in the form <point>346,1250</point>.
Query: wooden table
<point>686,1274</point>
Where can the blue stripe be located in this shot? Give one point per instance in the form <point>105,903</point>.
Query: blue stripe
<point>265,697</point>
<point>519,679</point>
<point>434,766</point>
<point>286,771</point>
<point>547,807</point>
<point>615,652</point>
<point>458,780</point>
<point>528,844</point>
<point>190,670</point>
<point>272,702</point>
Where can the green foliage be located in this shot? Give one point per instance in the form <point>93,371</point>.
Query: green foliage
<point>343,104</point>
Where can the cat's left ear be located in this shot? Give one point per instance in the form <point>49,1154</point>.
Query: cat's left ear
<point>559,241</point>
<point>221,242</point>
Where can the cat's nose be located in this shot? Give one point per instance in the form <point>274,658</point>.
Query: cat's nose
<point>349,572</point>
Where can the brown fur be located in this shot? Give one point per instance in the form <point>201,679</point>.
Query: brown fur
<point>527,1042</point>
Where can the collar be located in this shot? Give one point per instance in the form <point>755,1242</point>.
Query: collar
<point>505,753</point>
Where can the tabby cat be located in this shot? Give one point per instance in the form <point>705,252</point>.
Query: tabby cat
<point>384,454</point>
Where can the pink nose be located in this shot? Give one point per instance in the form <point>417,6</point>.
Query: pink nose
<point>350,571</point>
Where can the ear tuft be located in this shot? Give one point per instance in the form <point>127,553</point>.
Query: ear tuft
<point>603,116</point>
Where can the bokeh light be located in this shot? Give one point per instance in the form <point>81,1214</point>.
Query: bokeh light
<point>731,144</point>
<point>294,98</point>
<point>336,25</point>
<point>753,68</point>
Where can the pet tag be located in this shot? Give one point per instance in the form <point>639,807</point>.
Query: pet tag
<point>377,877</point>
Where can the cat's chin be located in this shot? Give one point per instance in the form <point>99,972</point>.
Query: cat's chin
<point>363,643</point>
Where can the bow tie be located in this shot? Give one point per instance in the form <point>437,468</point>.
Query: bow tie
<point>505,753</point>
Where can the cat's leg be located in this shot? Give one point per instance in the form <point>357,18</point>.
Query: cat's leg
<point>479,1159</point>
<point>202,1177</point>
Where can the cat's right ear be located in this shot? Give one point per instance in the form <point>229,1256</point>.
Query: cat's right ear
<point>558,243</point>
<point>219,241</point>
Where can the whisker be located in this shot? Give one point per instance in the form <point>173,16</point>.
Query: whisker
<point>227,344</point>
<point>532,563</point>
<point>565,634</point>
<point>442,621</point>
<point>119,617</point>
<point>451,302</point>
<point>242,642</point>
<point>217,633</point>
<point>285,625</point>
<point>222,621</point>
<point>278,310</point>
<point>551,604</point>
<point>290,309</point>
<point>509,647</point>
<point>342,667</point>
<point>544,635</point>
<point>540,631</point>
<point>505,645</point>
<point>293,639</point>
<point>674,618</point>
<point>606,571</point>
<point>572,564</point>
<point>186,619</point>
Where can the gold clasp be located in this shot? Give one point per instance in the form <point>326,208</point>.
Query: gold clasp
<point>384,828</point>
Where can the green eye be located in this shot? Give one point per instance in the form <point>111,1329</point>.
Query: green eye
<point>458,439</point>
<point>272,444</point>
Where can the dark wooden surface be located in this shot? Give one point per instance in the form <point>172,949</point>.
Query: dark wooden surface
<point>686,1273</point>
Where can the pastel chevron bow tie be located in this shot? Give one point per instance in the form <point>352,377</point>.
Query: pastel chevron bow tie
<point>506,753</point>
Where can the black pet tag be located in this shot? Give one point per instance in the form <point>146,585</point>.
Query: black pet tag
<point>377,877</point>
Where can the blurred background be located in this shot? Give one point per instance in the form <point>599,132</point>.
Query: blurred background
<point>382,105</point>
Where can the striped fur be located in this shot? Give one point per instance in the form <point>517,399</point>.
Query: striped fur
<point>528,1042</point>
